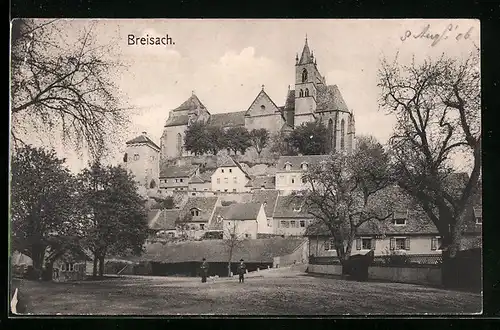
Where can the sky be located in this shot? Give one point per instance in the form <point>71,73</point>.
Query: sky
<point>226,62</point>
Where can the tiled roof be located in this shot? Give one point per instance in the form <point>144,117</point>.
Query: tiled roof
<point>242,211</point>
<point>228,161</point>
<point>306,55</point>
<point>230,119</point>
<point>296,161</point>
<point>251,250</point>
<point>153,215</point>
<point>177,121</point>
<point>290,100</point>
<point>143,139</point>
<point>290,207</point>
<point>266,197</point>
<point>196,179</point>
<point>205,206</point>
<point>207,175</point>
<point>166,220</point>
<point>192,103</point>
<point>266,182</point>
<point>177,171</point>
<point>330,98</point>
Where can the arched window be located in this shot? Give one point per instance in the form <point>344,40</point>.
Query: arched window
<point>304,75</point>
<point>125,158</point>
<point>195,212</point>
<point>330,135</point>
<point>152,184</point>
<point>179,144</point>
<point>301,93</point>
<point>307,92</point>
<point>342,134</point>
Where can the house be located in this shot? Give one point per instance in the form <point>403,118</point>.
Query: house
<point>290,169</point>
<point>268,198</point>
<point>163,224</point>
<point>243,220</point>
<point>201,184</point>
<point>194,217</point>
<point>142,158</point>
<point>290,218</point>
<point>409,231</point>
<point>176,178</point>
<point>263,183</point>
<point>215,228</point>
<point>230,177</point>
<point>71,266</point>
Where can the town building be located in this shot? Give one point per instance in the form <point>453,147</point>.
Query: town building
<point>289,171</point>
<point>230,177</point>
<point>290,217</point>
<point>243,221</point>
<point>194,217</point>
<point>177,178</point>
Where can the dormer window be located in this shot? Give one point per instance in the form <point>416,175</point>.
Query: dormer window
<point>195,212</point>
<point>303,166</point>
<point>219,219</point>
<point>399,217</point>
<point>478,216</point>
<point>136,156</point>
<point>288,166</point>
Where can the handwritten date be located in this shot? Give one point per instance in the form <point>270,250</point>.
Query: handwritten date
<point>451,30</point>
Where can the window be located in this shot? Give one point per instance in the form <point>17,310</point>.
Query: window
<point>230,170</point>
<point>226,180</point>
<point>342,134</point>
<point>263,107</point>
<point>307,92</point>
<point>195,212</point>
<point>284,224</point>
<point>68,267</point>
<point>302,223</point>
<point>181,180</point>
<point>218,180</point>
<point>304,75</point>
<point>288,166</point>
<point>136,157</point>
<point>478,215</point>
<point>181,188</point>
<point>234,190</point>
<point>293,224</point>
<point>202,226</point>
<point>235,180</point>
<point>400,243</point>
<point>269,223</point>
<point>301,93</point>
<point>329,245</point>
<point>293,180</point>
<point>399,217</point>
<point>193,194</point>
<point>194,189</point>
<point>303,166</point>
<point>247,235</point>
<point>206,189</point>
<point>176,180</point>
<point>125,157</point>
<point>222,170</point>
<point>436,243</point>
<point>179,144</point>
<point>225,190</point>
<point>365,244</point>
<point>304,180</point>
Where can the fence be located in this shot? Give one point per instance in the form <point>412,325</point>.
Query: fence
<point>408,260</point>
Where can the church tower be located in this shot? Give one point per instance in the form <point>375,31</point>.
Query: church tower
<point>307,79</point>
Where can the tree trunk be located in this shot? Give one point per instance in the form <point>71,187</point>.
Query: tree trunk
<point>101,266</point>
<point>38,254</point>
<point>94,270</point>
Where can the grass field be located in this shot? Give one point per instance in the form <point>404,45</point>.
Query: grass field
<point>293,295</point>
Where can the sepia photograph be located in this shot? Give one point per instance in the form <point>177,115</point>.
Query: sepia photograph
<point>245,167</point>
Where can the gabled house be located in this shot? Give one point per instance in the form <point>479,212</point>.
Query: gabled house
<point>263,183</point>
<point>176,178</point>
<point>230,177</point>
<point>201,184</point>
<point>163,224</point>
<point>243,220</point>
<point>290,217</point>
<point>194,217</point>
<point>268,198</point>
<point>290,169</point>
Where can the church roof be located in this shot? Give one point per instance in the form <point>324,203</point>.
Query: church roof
<point>177,120</point>
<point>306,55</point>
<point>290,100</point>
<point>192,103</point>
<point>143,139</point>
<point>330,98</point>
<point>230,119</point>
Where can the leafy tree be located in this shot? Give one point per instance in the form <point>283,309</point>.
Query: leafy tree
<point>437,105</point>
<point>116,215</point>
<point>237,139</point>
<point>310,138</point>
<point>216,139</point>
<point>348,191</point>
<point>259,139</point>
<point>65,87</point>
<point>42,205</point>
<point>195,140</point>
<point>232,241</point>
<point>280,145</point>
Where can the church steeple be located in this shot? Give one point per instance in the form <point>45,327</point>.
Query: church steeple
<point>306,55</point>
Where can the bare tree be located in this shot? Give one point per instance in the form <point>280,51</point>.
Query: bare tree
<point>348,191</point>
<point>67,88</point>
<point>232,240</point>
<point>437,105</point>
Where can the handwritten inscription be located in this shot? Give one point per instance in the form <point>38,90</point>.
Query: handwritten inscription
<point>451,31</point>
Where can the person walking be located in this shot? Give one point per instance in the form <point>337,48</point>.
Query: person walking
<point>241,271</point>
<point>204,270</point>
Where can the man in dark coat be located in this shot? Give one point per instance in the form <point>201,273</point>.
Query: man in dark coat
<point>241,271</point>
<point>204,270</point>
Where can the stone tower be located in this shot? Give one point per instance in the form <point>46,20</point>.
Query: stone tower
<point>142,160</point>
<point>307,79</point>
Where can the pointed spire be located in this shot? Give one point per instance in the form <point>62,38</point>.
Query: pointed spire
<point>306,55</point>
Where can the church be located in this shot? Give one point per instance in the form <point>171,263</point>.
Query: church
<point>312,99</point>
